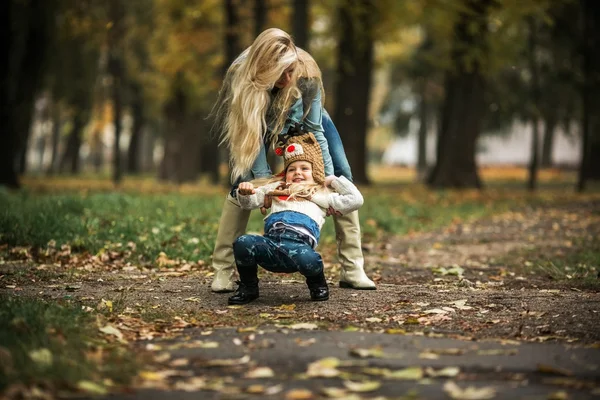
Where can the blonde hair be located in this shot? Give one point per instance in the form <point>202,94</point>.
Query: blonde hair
<point>244,99</point>
<point>295,191</point>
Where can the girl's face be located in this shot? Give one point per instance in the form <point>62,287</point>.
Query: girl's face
<point>286,77</point>
<point>299,172</point>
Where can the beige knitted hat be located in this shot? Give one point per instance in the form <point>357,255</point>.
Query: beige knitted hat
<point>304,148</point>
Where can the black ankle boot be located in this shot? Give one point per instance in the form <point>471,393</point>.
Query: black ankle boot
<point>319,291</point>
<point>245,293</point>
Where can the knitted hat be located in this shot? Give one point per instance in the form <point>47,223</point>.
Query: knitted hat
<point>303,148</point>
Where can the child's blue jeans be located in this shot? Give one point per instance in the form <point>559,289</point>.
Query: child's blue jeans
<point>280,250</point>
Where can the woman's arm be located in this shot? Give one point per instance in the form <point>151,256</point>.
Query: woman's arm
<point>314,123</point>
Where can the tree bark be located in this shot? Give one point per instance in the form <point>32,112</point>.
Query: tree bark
<point>353,88</point>
<point>535,100</point>
<point>139,120</point>
<point>300,25</point>
<point>115,65</point>
<point>463,107</point>
<point>550,122</point>
<point>590,124</point>
<point>70,158</point>
<point>25,30</point>
<point>422,141</point>
<point>55,137</point>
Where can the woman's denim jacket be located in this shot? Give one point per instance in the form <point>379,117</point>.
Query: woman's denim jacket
<point>312,123</point>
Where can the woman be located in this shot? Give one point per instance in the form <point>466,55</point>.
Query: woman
<point>270,88</point>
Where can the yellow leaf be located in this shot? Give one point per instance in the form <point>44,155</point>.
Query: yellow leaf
<point>260,372</point>
<point>410,373</point>
<point>366,386</point>
<point>299,394</point>
<point>91,387</point>
<point>42,357</point>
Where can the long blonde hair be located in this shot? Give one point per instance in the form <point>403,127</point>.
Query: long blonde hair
<point>295,191</point>
<point>244,99</point>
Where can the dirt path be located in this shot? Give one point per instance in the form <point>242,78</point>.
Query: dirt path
<point>476,280</point>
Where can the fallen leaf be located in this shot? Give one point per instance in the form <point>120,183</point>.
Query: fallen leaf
<point>229,362</point>
<point>42,357</point>
<point>375,352</point>
<point>305,325</point>
<point>91,387</point>
<point>447,372</point>
<point>190,385</point>
<point>299,394</point>
<point>365,386</point>
<point>325,367</point>
<point>260,372</point>
<point>111,330</point>
<point>410,373</point>
<point>549,369</point>
<point>373,319</point>
<point>470,393</point>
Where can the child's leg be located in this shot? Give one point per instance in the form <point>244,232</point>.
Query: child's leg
<point>247,267</point>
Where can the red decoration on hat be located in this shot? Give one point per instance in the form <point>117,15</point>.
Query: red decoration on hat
<point>279,151</point>
<point>291,148</point>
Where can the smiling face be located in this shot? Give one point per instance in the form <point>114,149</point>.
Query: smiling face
<point>299,172</point>
<point>286,77</point>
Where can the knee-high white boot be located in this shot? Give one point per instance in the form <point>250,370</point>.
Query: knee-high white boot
<point>232,224</point>
<point>347,232</point>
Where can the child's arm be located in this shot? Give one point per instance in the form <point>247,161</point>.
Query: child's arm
<point>347,199</point>
<point>250,197</point>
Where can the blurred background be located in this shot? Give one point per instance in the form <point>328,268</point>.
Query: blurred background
<point>432,90</point>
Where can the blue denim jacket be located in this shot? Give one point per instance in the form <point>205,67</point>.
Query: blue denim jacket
<point>313,122</point>
<point>293,218</point>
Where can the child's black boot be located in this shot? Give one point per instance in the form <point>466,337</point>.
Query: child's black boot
<point>319,291</point>
<point>247,290</point>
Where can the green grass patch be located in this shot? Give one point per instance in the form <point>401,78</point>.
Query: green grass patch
<point>50,345</point>
<point>184,225</point>
<point>581,266</point>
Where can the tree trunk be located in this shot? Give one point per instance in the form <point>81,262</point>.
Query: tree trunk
<point>550,122</point>
<point>535,100</point>
<point>353,88</point>
<point>70,158</point>
<point>463,107</point>
<point>25,29</point>
<point>56,127</point>
<point>590,123</point>
<point>300,25</point>
<point>137,109</point>
<point>422,142</point>
<point>115,38</point>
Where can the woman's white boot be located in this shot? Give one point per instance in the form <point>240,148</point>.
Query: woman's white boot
<point>347,232</point>
<point>232,224</point>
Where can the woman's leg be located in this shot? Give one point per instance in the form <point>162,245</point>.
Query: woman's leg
<point>347,227</point>
<point>232,224</point>
<point>341,167</point>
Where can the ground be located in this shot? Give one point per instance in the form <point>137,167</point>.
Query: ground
<point>487,280</point>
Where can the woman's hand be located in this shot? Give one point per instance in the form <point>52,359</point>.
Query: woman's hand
<point>329,179</point>
<point>246,189</point>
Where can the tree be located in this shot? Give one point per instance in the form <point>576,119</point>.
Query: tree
<point>352,93</point>
<point>535,104</point>
<point>463,107</point>
<point>26,30</point>
<point>590,143</point>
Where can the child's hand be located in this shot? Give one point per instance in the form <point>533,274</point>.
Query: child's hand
<point>329,179</point>
<point>246,189</point>
<point>332,211</point>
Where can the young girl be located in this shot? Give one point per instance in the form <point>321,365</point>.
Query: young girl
<point>269,88</point>
<point>299,202</point>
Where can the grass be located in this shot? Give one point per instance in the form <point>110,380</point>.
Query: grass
<point>55,347</point>
<point>144,218</point>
